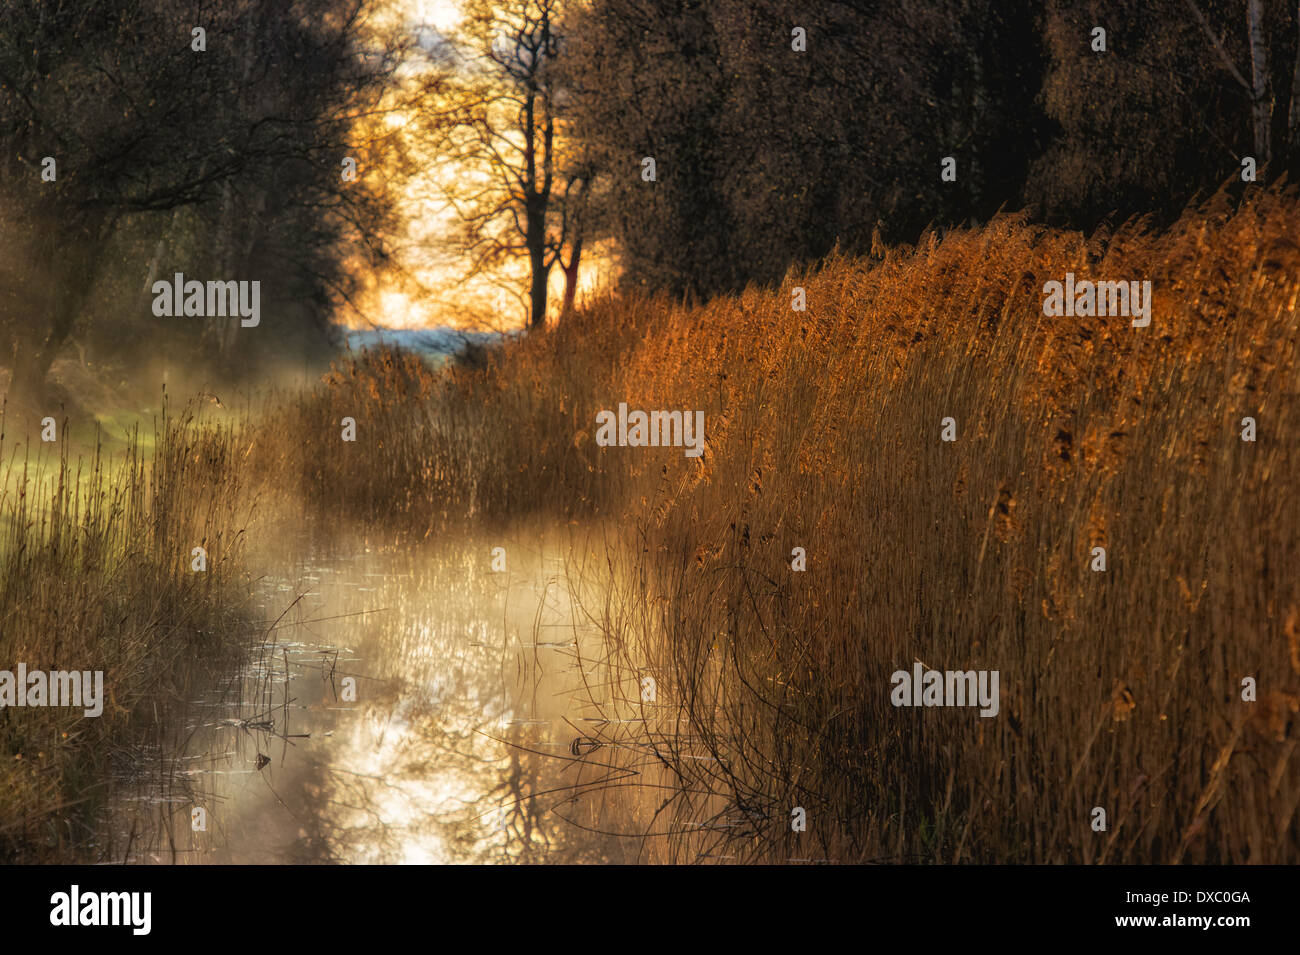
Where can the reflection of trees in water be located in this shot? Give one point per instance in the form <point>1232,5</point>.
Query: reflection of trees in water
<point>483,770</point>
<point>495,808</point>
<point>534,793</point>
<point>497,721</point>
<point>323,837</point>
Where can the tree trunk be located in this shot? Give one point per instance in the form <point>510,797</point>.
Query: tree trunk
<point>571,277</point>
<point>1260,107</point>
<point>236,229</point>
<point>70,257</point>
<point>540,280</point>
<point>1293,117</point>
<point>145,303</point>
<point>975,173</point>
<point>215,333</point>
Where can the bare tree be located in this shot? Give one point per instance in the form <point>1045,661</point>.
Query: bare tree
<point>1257,86</point>
<point>1261,106</point>
<point>497,132</point>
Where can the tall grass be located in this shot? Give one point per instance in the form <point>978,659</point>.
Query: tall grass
<point>1120,689</point>
<point>96,574</point>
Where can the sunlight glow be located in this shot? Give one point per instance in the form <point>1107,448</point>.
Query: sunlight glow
<point>440,293</point>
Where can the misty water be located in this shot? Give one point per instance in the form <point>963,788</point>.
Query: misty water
<point>476,693</point>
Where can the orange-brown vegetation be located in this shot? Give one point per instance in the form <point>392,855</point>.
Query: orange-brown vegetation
<point>1120,689</point>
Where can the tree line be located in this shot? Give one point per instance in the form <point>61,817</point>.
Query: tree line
<point>704,144</point>
<point>780,129</point>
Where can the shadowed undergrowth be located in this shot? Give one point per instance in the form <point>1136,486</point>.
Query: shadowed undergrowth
<point>96,573</point>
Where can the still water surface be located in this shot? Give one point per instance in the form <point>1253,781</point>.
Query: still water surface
<point>468,737</point>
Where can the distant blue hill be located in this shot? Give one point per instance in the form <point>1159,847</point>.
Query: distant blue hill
<point>433,344</point>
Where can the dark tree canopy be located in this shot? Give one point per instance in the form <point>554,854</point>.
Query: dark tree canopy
<point>768,156</point>
<point>223,162</point>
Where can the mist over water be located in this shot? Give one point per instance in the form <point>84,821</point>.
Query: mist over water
<point>471,688</point>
